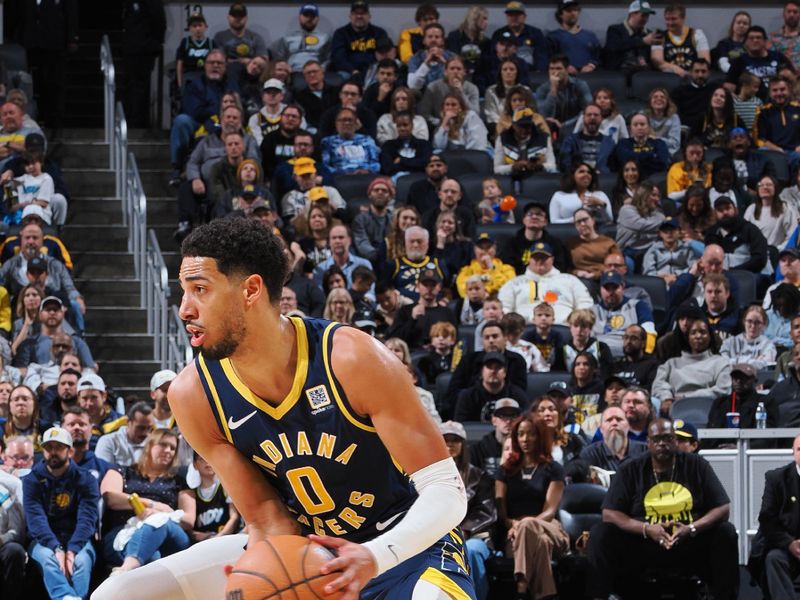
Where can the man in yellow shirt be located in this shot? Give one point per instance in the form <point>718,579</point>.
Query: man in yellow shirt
<point>492,270</point>
<point>411,39</point>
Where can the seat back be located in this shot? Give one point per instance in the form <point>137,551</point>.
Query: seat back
<point>541,187</point>
<point>644,81</point>
<point>581,508</point>
<point>562,231</point>
<point>442,382</point>
<point>781,164</point>
<point>472,186</point>
<point>539,383</point>
<point>403,184</point>
<point>501,232</point>
<point>14,57</point>
<point>657,290</point>
<point>353,186</point>
<point>461,162</point>
<point>692,409</point>
<point>613,80</point>
<point>746,281</point>
<point>466,334</point>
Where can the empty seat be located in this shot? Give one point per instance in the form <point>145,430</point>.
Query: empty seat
<point>403,184</point>
<point>562,231</point>
<point>613,80</point>
<point>539,383</point>
<point>13,57</point>
<point>746,282</point>
<point>354,207</point>
<point>476,430</point>
<point>353,186</point>
<point>606,183</point>
<point>692,409</point>
<point>644,81</point>
<point>466,334</point>
<point>501,232</point>
<point>541,186</point>
<point>781,164</point>
<point>657,290</point>
<point>461,162</point>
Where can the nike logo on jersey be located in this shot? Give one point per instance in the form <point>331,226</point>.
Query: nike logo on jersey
<point>381,525</point>
<point>236,424</point>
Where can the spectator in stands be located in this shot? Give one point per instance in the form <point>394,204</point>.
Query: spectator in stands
<point>319,221</point>
<point>722,313</point>
<point>23,415</point>
<point>589,144</point>
<point>348,152</point>
<point>58,398</point>
<point>439,358</point>
<point>581,323</point>
<point>223,177</point>
<point>744,245</point>
<point>708,539</point>
<point>785,305</point>
<point>491,269</point>
<point>588,249</point>
<point>580,191</point>
<point>460,128</point>
<point>29,299</point>
<point>239,43</point>
<point>692,170</point>
<point>650,154</point>
<point>13,133</point>
<point>278,145</point>
<point>317,96</point>
<point>665,124</point>
<point>628,179</point>
<point>551,409</point>
<point>628,43</point>
<point>200,101</point>
<point>695,216</point>
<point>450,197</point>
<point>469,309</point>
<point>370,227</point>
<point>339,307</point>
<point>340,242</point>
<point>780,222</point>
<point>403,218</point>
<point>305,44</point>
<point>353,45</point>
<point>413,322</point>
<point>12,537</point>
<point>161,489</point>
<point>495,96</point>
<point>719,121</point>
<point>18,455</point>
<point>268,117</point>
<point>427,64</point>
<point>682,44</point>
<point>791,194</point>
<point>412,40</point>
<point>562,98</point>
<point>93,397</point>
<point>777,124</point>
<point>564,292</point>
<point>668,257</point>
<point>757,59</point>
<point>402,102</point>
<point>638,222</point>
<point>636,367</point>
<point>215,514</point>
<point>476,402</point>
<point>785,39</point>
<point>700,371</point>
<point>453,83</point>
<point>453,250</point>
<point>732,47</point>
<point>518,98</point>
<point>751,346</point>
<point>485,454</point>
<point>744,400</point>
<point>787,391</point>
<point>693,95</point>
<point>534,229</point>
<point>585,388</point>
<point>546,339</point>
<point>76,422</point>
<point>530,41</point>
<point>615,313</point>
<point>193,49</point>
<point>581,47</point>
<point>789,270</point>
<point>350,95</point>
<point>378,95</point>
<point>615,448</point>
<point>61,509</point>
<point>524,149</point>
<point>297,201</point>
<point>39,376</point>
<point>288,303</point>
<point>389,303</point>
<point>513,326</point>
<point>746,103</point>
<point>404,153</point>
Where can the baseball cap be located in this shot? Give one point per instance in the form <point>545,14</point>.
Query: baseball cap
<point>485,238</point>
<point>237,9</point>
<point>453,428</point>
<point>542,248</point>
<point>535,204</point>
<point>359,5</point>
<point>196,17</point>
<point>515,7</point>
<point>57,434</point>
<point>90,381</point>
<point>38,264</point>
<point>430,275</point>
<point>738,131</point>
<point>684,429</point>
<point>34,141</point>
<point>309,9</point>
<point>614,379</point>
<point>670,224</point>
<point>384,44</point>
<point>51,300</point>
<point>34,210</point>
<point>494,357</point>
<point>436,158</point>
<point>507,38</point>
<point>304,165</point>
<point>641,6</point>
<point>611,277</point>
<point>744,369</point>
<point>273,84</point>
<point>159,378</point>
<point>317,193</point>
<point>567,3</point>
<point>722,200</point>
<point>364,318</point>
<point>558,387</point>
<point>506,404</point>
<point>523,116</point>
<point>260,204</point>
<point>787,252</point>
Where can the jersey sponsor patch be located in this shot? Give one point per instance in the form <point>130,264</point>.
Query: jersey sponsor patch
<point>318,397</point>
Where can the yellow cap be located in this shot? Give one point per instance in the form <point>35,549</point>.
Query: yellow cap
<point>317,193</point>
<point>304,165</point>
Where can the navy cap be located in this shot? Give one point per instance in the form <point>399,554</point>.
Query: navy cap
<point>541,248</point>
<point>430,275</point>
<point>359,5</point>
<point>611,277</point>
<point>309,9</point>
<point>558,387</point>
<point>670,224</point>
<point>494,357</point>
<point>38,264</point>
<point>684,429</point>
<point>485,238</point>
<point>237,9</point>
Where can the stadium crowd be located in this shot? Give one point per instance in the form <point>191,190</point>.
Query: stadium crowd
<point>570,242</point>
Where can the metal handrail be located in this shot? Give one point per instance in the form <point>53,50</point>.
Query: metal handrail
<point>109,89</point>
<point>156,300</point>
<point>179,350</point>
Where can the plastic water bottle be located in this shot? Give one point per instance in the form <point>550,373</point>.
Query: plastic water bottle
<point>761,416</point>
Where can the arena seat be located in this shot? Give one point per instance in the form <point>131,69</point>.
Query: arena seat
<point>501,232</point>
<point>614,80</point>
<point>541,186</point>
<point>476,430</point>
<point>539,383</point>
<point>562,231</point>
<point>747,283</point>
<point>466,334</point>
<point>657,290</point>
<point>781,164</point>
<point>403,184</point>
<point>461,162</point>
<point>13,56</point>
<point>606,183</point>
<point>644,81</point>
<point>692,409</point>
<point>354,207</point>
<point>353,186</point>
<point>472,185</point>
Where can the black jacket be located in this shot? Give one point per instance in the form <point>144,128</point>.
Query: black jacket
<point>327,124</point>
<point>51,24</point>
<point>641,372</point>
<point>623,48</point>
<point>743,232</point>
<point>144,23</point>
<point>404,149</point>
<point>314,105</point>
<point>475,403</point>
<point>746,406</point>
<point>468,373</point>
<point>779,519</point>
<point>415,331</point>
<point>517,252</point>
<point>692,102</point>
<point>786,394</point>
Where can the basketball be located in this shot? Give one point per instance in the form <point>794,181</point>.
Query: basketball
<point>282,567</point>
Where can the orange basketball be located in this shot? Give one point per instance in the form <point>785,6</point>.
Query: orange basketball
<point>282,567</point>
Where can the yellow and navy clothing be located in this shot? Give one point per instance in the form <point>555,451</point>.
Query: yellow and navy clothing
<point>679,178</point>
<point>405,274</point>
<point>194,53</point>
<point>493,278</point>
<point>681,51</point>
<point>213,512</point>
<point>652,156</point>
<point>109,424</point>
<point>410,43</point>
<point>52,246</point>
<point>353,50</point>
<point>313,448</point>
<point>779,124</point>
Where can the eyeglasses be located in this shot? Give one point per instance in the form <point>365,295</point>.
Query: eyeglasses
<point>753,322</point>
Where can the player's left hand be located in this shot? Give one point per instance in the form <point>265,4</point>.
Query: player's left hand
<point>355,562</point>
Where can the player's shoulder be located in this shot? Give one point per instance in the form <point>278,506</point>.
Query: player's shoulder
<point>186,385</point>
<point>356,355</point>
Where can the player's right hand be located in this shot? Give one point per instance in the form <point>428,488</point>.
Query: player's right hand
<point>354,561</point>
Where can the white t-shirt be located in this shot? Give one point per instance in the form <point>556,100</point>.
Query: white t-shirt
<point>36,188</point>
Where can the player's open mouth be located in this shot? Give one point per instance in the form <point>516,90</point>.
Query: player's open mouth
<point>196,335</point>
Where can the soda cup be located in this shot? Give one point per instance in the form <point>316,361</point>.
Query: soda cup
<point>733,419</point>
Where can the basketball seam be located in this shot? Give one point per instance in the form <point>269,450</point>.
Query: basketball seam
<point>305,580</point>
<point>285,570</point>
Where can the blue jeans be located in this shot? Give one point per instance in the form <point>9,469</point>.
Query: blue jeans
<point>180,138</point>
<point>477,554</point>
<point>150,543</point>
<point>55,581</point>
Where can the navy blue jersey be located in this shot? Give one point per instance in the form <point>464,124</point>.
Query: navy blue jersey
<point>327,463</point>
<point>211,515</point>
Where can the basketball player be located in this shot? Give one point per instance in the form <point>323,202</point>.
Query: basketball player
<point>312,427</point>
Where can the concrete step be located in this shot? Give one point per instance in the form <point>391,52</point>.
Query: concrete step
<point>93,153</point>
<point>120,346</point>
<point>79,238</point>
<point>100,182</point>
<point>122,293</point>
<point>116,319</point>
<point>128,373</point>
<point>98,134</point>
<point>102,264</point>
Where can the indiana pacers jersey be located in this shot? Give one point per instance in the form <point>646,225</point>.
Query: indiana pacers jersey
<point>327,463</point>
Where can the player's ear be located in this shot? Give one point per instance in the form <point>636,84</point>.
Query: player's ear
<point>253,288</point>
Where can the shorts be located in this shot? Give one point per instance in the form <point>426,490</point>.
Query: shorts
<point>444,564</point>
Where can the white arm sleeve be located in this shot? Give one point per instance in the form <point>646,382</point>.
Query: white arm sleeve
<point>440,506</point>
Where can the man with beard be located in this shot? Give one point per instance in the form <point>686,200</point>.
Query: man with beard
<point>59,397</point>
<point>93,397</point>
<point>340,242</point>
<point>693,95</point>
<point>353,45</point>
<point>535,218</point>
<point>615,448</point>
<point>744,399</point>
<point>237,42</point>
<point>757,59</point>
<point>159,384</point>
<point>42,375</point>
<point>777,125</point>
<point>744,245</point>
<point>76,421</point>
<point>690,286</point>
<point>785,40</point>
<point>636,367</point>
<point>477,402</point>
<point>413,322</point>
<point>308,43</point>
<point>638,410</point>
<point>588,145</point>
<point>124,446</point>
<point>61,509</point>
<point>664,508</point>
<point>750,166</point>
<point>486,453</point>
<point>305,176</point>
<point>404,271</point>
<point>450,196</point>
<point>615,312</point>
<point>370,226</point>
<point>278,146</point>
<point>424,194</point>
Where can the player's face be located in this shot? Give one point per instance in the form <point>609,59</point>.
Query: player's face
<point>211,307</point>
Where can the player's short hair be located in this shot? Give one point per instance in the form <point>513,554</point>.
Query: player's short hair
<point>241,247</point>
